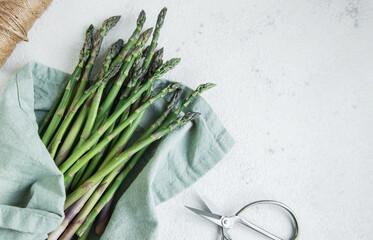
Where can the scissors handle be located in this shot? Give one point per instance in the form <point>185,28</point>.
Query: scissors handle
<point>264,232</point>
<point>258,229</point>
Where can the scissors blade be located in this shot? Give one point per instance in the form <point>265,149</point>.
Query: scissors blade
<point>209,204</point>
<point>215,218</point>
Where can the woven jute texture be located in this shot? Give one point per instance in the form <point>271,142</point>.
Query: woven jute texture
<point>16,19</point>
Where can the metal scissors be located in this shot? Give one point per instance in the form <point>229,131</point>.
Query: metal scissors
<point>227,222</point>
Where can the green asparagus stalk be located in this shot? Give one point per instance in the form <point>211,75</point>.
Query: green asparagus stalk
<point>78,164</point>
<point>122,158</point>
<point>121,119</point>
<point>119,179</point>
<point>153,45</point>
<point>63,104</point>
<point>106,105</point>
<point>119,144</point>
<point>103,218</point>
<point>79,219</point>
<point>151,48</point>
<point>133,39</point>
<point>70,214</point>
<point>116,114</point>
<point>108,195</point>
<point>111,55</point>
<point>93,108</point>
<point>122,141</point>
<point>71,136</point>
<point>86,234</point>
<point>107,25</point>
<point>72,111</point>
<point>201,88</point>
<point>156,62</point>
<point>94,162</point>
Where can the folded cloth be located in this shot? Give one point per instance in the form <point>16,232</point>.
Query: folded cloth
<point>31,187</point>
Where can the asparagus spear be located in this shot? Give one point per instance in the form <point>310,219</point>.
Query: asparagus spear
<point>72,170</point>
<point>128,46</point>
<point>79,219</point>
<point>107,25</point>
<point>150,50</point>
<point>157,29</point>
<point>93,108</point>
<point>104,108</point>
<point>124,95</point>
<point>119,179</point>
<point>123,106</point>
<point>121,159</point>
<point>201,88</point>
<point>69,215</point>
<point>60,111</point>
<point>86,234</point>
<point>99,189</point>
<point>72,111</point>
<point>120,144</point>
<point>92,165</point>
<point>163,122</point>
<point>129,131</point>
<point>103,218</point>
<point>70,138</point>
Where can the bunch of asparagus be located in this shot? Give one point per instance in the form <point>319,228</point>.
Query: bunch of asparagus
<point>87,129</point>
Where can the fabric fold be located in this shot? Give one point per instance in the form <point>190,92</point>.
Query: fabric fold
<point>31,186</point>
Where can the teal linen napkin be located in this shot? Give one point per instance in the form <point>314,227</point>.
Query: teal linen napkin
<point>31,187</point>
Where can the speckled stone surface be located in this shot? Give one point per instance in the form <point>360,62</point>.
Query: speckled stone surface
<point>295,89</point>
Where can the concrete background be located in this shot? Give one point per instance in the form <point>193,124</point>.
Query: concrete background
<point>295,90</point>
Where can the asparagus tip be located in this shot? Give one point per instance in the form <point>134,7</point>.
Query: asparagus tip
<point>163,12</point>
<point>142,17</point>
<point>147,33</point>
<point>204,87</point>
<point>117,45</point>
<point>159,53</point>
<point>173,62</point>
<point>161,17</point>
<point>109,24</point>
<point>175,86</point>
<point>190,116</point>
<point>177,94</point>
<point>167,66</point>
<point>90,29</point>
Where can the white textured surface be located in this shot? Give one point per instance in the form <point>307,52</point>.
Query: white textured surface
<point>295,89</point>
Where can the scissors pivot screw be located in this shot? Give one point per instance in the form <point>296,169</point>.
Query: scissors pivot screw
<point>226,222</point>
